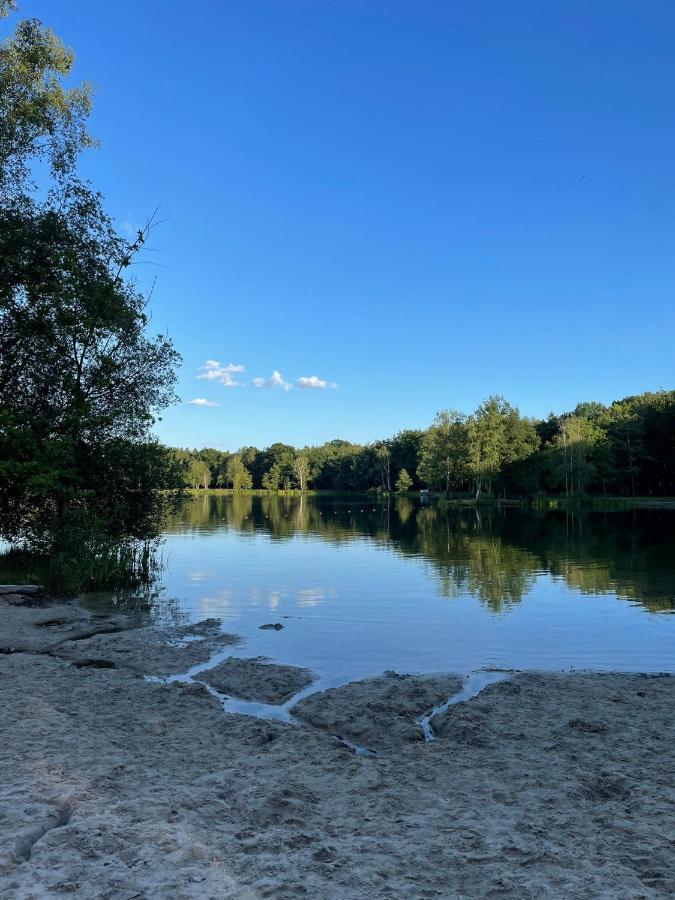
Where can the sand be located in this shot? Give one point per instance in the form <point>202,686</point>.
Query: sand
<point>258,679</point>
<point>68,631</point>
<point>114,787</point>
<point>378,713</point>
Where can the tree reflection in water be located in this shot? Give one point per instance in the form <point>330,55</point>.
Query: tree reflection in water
<point>493,554</point>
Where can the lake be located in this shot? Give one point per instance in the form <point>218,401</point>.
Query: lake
<point>363,585</point>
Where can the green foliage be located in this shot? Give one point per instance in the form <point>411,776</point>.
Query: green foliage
<point>383,458</point>
<point>278,459</point>
<point>39,117</point>
<point>198,474</point>
<point>237,475</point>
<point>302,470</point>
<point>571,453</point>
<point>271,480</point>
<point>405,449</point>
<point>623,448</point>
<point>81,379</point>
<point>404,482</point>
<point>497,437</point>
<point>84,558</point>
<point>443,458</point>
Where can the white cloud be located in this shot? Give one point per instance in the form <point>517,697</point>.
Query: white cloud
<point>201,401</point>
<point>313,382</point>
<point>212,370</point>
<point>274,381</point>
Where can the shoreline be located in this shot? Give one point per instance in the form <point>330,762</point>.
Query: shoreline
<point>542,784</point>
<point>588,502</point>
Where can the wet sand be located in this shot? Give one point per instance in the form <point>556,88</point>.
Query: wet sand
<point>111,786</point>
<point>257,680</point>
<point>379,713</point>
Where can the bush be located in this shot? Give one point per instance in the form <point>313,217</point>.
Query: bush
<point>82,557</point>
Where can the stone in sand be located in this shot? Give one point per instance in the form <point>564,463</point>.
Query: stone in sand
<point>256,679</point>
<point>200,629</point>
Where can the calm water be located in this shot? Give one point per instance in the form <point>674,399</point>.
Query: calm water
<point>362,586</point>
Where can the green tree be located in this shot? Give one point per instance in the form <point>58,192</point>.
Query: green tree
<point>198,474</point>
<point>405,450</point>
<point>403,482</point>
<point>333,464</point>
<point>77,367</point>
<point>575,441</point>
<point>271,480</point>
<point>40,119</point>
<point>383,457</point>
<point>302,470</point>
<point>278,457</point>
<point>497,437</point>
<point>237,476</point>
<point>443,453</point>
<point>627,434</point>
<point>253,460</point>
<point>81,379</point>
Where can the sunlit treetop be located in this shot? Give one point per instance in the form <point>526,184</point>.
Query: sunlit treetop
<point>40,118</point>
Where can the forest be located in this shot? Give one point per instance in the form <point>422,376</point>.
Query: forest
<point>625,449</point>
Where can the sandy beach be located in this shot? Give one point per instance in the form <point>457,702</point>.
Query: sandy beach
<point>543,785</point>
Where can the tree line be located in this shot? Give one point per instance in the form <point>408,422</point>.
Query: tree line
<point>626,448</point>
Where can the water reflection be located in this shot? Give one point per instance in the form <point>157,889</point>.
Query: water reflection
<point>492,555</point>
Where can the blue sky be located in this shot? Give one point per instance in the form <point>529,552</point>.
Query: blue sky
<point>421,203</point>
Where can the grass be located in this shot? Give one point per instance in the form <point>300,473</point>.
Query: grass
<point>92,567</point>
<point>21,567</point>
